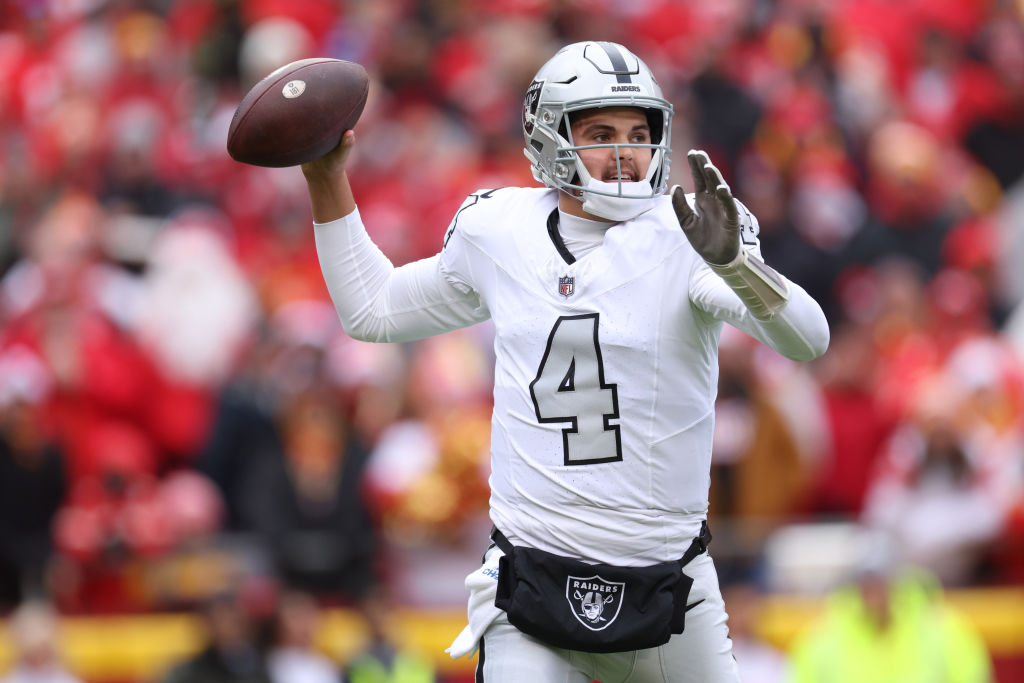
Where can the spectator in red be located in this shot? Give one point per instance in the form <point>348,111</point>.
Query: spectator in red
<point>60,297</point>
<point>858,424</point>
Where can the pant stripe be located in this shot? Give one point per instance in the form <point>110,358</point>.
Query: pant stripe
<point>480,663</point>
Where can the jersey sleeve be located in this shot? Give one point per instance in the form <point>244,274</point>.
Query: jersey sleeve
<point>378,302</point>
<point>460,259</point>
<point>799,331</point>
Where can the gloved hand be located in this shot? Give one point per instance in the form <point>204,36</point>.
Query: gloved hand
<point>714,228</point>
<point>714,231</point>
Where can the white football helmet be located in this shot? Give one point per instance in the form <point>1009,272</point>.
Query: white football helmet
<point>585,76</point>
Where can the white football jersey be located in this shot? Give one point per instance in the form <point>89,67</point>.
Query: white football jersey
<point>606,370</point>
<point>605,378</point>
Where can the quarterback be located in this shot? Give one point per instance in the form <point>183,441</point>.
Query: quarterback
<point>608,292</point>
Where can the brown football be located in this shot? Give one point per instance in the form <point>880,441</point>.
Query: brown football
<point>298,113</point>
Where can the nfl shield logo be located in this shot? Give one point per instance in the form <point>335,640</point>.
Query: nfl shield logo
<point>594,602</point>
<point>565,285</point>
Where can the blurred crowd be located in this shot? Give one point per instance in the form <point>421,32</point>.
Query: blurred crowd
<point>179,407</point>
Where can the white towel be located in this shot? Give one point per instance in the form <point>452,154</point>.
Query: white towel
<point>483,586</point>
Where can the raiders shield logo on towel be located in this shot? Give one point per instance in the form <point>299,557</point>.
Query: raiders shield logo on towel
<point>594,601</point>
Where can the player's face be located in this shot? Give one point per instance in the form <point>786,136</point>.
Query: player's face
<point>613,125</point>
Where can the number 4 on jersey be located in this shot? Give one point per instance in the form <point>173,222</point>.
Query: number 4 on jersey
<point>570,387</point>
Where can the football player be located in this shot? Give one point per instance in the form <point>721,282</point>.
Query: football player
<point>608,293</point>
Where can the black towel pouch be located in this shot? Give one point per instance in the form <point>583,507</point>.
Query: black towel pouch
<point>575,605</point>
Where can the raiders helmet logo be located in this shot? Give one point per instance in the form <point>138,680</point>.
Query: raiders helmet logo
<point>594,602</point>
<point>530,103</point>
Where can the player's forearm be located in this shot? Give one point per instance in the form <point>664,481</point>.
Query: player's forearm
<point>799,330</point>
<point>330,197</point>
<point>355,272</point>
<point>761,289</point>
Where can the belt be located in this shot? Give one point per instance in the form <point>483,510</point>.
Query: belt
<point>698,545</point>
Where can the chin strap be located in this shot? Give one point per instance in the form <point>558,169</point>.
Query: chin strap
<point>618,201</point>
<point>758,286</point>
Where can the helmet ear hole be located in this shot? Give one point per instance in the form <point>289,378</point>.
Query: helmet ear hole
<point>655,121</point>
<point>563,127</point>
